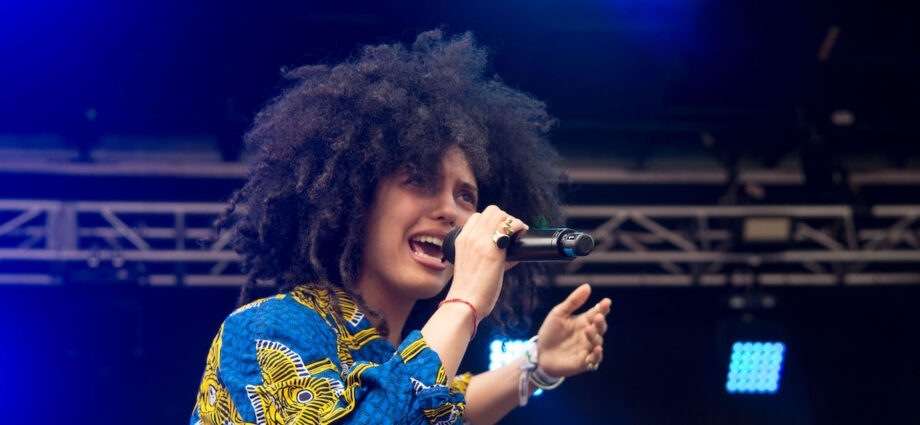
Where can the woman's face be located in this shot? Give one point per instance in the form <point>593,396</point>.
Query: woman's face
<point>407,224</point>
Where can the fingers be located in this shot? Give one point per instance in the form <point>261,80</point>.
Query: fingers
<point>501,221</point>
<point>598,314</point>
<point>595,356</point>
<point>604,306</point>
<point>595,327</point>
<point>479,264</point>
<point>469,225</point>
<point>596,346</point>
<point>494,218</point>
<point>600,324</point>
<point>574,301</point>
<point>517,225</point>
<point>593,336</point>
<point>479,228</point>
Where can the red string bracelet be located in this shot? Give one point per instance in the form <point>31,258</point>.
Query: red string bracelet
<point>475,313</point>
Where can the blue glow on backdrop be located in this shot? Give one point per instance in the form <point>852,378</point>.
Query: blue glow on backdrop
<point>755,367</point>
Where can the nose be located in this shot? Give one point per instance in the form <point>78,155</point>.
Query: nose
<point>446,208</point>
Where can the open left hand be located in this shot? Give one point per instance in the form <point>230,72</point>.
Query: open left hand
<point>569,342</point>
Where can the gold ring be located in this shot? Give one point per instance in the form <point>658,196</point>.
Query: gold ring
<point>507,226</point>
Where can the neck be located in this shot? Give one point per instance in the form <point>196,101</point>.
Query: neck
<point>395,309</point>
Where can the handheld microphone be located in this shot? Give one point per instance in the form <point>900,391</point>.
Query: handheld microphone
<point>550,244</point>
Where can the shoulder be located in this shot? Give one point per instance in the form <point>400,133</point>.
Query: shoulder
<point>278,317</point>
<point>265,342</point>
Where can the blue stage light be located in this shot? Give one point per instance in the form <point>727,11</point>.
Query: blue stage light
<point>755,367</point>
<point>504,351</point>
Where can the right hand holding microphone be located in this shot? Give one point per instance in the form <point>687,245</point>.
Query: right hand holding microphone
<point>480,264</point>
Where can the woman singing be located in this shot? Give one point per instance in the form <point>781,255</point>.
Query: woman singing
<point>361,169</point>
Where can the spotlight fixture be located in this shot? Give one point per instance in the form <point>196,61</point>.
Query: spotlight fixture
<point>754,367</point>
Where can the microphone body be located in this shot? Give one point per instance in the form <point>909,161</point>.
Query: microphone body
<point>550,244</point>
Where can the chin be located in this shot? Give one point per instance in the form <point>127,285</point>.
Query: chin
<point>426,287</point>
<point>430,290</point>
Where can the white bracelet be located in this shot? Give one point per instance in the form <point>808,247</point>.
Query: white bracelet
<point>532,373</point>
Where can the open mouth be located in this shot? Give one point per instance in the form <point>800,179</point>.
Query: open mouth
<point>427,250</point>
<point>427,246</point>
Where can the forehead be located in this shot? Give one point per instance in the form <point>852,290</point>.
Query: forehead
<point>454,164</point>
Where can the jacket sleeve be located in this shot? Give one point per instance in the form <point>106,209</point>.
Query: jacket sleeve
<point>278,363</point>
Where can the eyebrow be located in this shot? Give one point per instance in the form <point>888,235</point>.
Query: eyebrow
<point>470,186</point>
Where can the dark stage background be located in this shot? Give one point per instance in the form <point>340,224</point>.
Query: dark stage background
<point>728,102</point>
<point>102,354</point>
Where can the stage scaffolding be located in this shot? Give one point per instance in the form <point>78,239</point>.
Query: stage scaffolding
<point>46,242</point>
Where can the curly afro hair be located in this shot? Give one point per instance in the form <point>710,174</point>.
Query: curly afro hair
<point>322,146</point>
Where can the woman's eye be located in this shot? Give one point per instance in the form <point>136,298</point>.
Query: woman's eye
<point>468,197</point>
<point>420,184</point>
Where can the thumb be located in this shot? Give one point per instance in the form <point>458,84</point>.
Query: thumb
<point>576,299</point>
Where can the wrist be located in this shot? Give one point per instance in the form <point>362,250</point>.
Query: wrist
<point>459,307</point>
<point>470,297</point>
<point>532,376</point>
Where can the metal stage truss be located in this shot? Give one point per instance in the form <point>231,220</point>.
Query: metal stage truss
<point>172,243</point>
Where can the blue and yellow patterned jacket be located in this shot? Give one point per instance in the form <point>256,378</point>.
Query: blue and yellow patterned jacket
<point>286,359</point>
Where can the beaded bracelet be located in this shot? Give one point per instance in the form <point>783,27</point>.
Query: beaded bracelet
<point>475,313</point>
<point>532,373</point>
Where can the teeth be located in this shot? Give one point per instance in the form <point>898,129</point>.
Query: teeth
<point>429,239</point>
<point>423,254</point>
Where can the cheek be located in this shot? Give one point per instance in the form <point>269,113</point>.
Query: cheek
<point>388,236</point>
<point>464,216</point>
<point>381,236</point>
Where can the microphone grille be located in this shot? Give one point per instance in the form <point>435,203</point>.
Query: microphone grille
<point>448,246</point>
